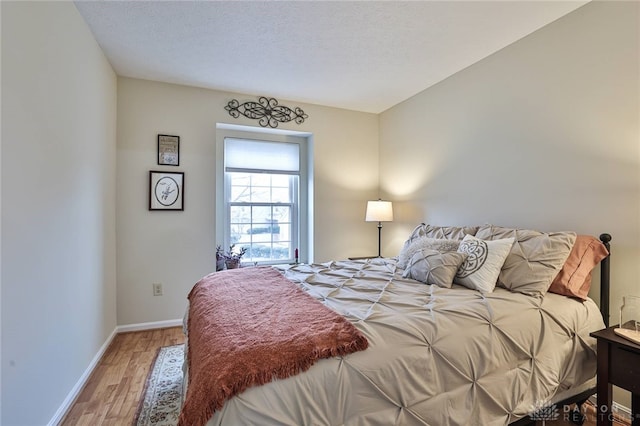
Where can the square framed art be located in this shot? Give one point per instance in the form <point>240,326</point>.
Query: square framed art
<point>166,190</point>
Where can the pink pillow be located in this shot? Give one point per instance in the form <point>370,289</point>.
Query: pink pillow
<point>574,279</point>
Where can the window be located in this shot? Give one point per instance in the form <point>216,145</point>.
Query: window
<point>262,193</point>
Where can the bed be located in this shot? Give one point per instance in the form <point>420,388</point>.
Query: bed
<point>437,353</point>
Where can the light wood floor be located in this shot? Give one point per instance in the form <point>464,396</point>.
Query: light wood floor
<point>111,395</point>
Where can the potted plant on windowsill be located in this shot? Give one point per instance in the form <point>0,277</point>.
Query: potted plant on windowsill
<point>220,259</point>
<point>229,259</point>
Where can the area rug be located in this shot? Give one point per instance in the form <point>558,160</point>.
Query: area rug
<point>162,395</point>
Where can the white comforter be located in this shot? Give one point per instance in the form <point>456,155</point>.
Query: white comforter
<point>436,356</point>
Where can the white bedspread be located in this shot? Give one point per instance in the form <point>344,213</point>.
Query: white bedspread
<point>436,356</point>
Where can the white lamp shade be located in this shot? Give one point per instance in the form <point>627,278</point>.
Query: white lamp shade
<point>379,211</point>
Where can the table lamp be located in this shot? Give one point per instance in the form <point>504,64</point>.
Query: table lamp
<point>379,211</point>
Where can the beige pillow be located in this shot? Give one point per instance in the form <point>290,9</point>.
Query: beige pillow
<point>420,243</point>
<point>535,258</point>
<point>433,267</point>
<point>438,232</point>
<point>485,258</point>
<point>442,232</point>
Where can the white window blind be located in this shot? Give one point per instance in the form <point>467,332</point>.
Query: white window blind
<point>243,155</point>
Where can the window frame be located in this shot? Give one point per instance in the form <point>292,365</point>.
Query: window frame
<point>304,222</point>
<point>295,212</point>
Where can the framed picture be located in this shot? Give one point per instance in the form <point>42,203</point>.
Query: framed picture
<point>166,190</point>
<point>168,150</point>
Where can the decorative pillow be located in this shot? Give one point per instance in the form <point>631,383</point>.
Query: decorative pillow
<point>438,232</point>
<point>485,258</point>
<point>433,267</point>
<point>442,232</point>
<point>419,243</point>
<point>535,258</point>
<point>574,279</point>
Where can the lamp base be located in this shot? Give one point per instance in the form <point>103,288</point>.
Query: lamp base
<point>379,232</point>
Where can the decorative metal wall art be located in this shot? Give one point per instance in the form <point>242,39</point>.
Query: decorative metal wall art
<point>267,111</point>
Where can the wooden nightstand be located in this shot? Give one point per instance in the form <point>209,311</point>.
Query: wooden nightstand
<point>618,364</point>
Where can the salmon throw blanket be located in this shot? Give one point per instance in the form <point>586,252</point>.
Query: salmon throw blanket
<point>249,326</point>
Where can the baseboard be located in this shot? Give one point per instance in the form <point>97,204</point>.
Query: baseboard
<point>149,325</point>
<point>75,391</point>
<point>616,408</point>
<point>622,409</point>
<point>622,414</point>
<point>73,395</point>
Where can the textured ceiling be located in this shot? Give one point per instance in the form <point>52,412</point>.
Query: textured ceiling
<point>359,55</point>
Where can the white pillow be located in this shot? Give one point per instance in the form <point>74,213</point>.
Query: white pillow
<point>485,259</point>
<point>412,247</point>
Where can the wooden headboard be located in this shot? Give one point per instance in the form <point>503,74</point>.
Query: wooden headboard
<point>605,269</point>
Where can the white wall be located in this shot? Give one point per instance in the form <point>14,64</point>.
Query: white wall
<point>178,248</point>
<point>0,232</point>
<point>544,134</point>
<point>58,206</point>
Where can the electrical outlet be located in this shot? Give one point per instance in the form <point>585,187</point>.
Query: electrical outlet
<point>157,289</point>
